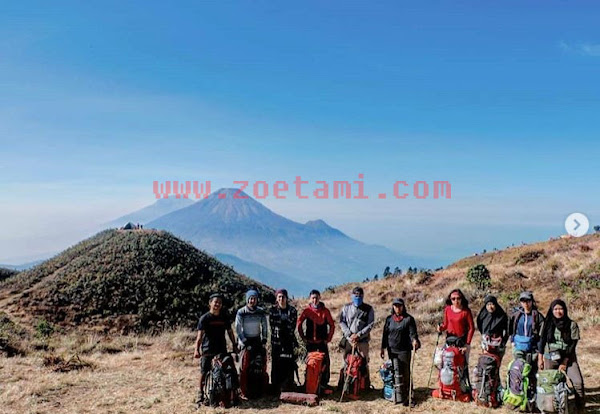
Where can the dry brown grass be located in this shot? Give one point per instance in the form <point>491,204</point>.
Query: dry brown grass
<point>133,374</point>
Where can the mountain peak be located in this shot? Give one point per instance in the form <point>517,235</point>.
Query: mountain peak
<point>233,193</point>
<point>318,224</point>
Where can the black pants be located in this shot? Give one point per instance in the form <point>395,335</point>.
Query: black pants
<point>283,367</point>
<point>322,347</point>
<point>401,364</point>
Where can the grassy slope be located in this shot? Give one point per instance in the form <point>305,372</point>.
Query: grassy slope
<point>157,374</point>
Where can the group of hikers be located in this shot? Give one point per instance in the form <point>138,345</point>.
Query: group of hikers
<point>540,345</point>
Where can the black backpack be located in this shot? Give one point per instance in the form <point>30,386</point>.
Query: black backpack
<point>486,384</point>
<point>223,384</point>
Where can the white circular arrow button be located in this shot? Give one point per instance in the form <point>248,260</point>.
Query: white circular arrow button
<point>577,224</point>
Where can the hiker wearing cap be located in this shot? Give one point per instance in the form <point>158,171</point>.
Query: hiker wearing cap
<point>458,322</point>
<point>356,320</point>
<point>492,324</point>
<point>524,328</point>
<point>400,338</point>
<point>210,340</point>
<point>318,332</point>
<point>282,320</point>
<point>558,341</point>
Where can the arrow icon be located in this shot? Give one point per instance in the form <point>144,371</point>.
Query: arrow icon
<point>577,224</point>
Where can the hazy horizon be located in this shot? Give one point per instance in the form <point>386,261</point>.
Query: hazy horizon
<point>497,99</point>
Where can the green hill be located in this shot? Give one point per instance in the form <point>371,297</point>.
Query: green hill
<point>126,280</point>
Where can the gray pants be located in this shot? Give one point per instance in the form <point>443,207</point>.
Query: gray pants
<point>574,374</point>
<point>401,364</point>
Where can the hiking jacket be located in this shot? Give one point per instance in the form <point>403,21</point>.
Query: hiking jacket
<point>536,325</point>
<point>283,326</point>
<point>317,322</point>
<point>250,324</point>
<point>398,333</point>
<point>357,320</point>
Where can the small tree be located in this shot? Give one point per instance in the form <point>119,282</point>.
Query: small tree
<point>386,272</point>
<point>479,275</point>
<point>376,277</point>
<point>597,229</point>
<point>397,271</point>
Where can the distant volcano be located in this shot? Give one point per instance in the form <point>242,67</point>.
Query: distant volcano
<point>310,255</point>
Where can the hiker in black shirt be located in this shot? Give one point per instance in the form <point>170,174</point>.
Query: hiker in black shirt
<point>211,338</point>
<point>282,320</point>
<point>400,338</point>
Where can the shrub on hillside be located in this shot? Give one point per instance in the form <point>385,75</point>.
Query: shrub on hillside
<point>479,276</point>
<point>528,257</point>
<point>6,273</point>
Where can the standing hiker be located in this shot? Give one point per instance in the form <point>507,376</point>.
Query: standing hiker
<point>400,338</point>
<point>524,328</point>
<point>458,322</point>
<point>356,320</point>
<point>492,323</point>
<point>282,320</point>
<point>558,341</point>
<point>319,331</point>
<point>210,340</point>
<point>251,327</point>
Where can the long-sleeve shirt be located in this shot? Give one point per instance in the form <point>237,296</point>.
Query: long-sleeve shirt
<point>459,324</point>
<point>251,324</point>
<point>357,320</point>
<point>319,324</point>
<point>398,333</point>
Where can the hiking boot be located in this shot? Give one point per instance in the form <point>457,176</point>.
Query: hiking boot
<point>200,400</point>
<point>412,404</point>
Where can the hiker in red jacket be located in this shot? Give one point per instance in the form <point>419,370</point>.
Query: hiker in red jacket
<point>319,330</point>
<point>458,322</point>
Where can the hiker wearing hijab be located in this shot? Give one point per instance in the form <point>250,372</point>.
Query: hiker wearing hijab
<point>399,338</point>
<point>492,323</point>
<point>558,341</point>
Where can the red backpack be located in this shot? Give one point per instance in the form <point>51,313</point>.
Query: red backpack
<point>353,376</point>
<point>253,373</point>
<point>453,377</point>
<point>315,366</point>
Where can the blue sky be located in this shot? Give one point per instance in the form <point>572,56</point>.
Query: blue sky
<point>100,99</point>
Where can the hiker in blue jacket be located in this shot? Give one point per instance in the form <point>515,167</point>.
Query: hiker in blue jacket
<point>524,328</point>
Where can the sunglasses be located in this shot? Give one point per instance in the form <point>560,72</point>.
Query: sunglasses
<point>455,298</point>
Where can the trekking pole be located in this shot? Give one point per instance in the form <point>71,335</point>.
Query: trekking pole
<point>433,358</point>
<point>412,368</point>
<point>347,373</point>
